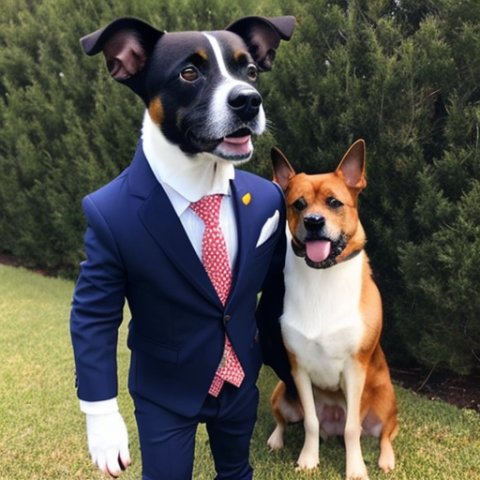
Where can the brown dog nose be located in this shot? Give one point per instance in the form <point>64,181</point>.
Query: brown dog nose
<point>245,102</point>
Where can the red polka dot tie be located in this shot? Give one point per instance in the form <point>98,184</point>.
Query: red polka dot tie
<point>216,263</point>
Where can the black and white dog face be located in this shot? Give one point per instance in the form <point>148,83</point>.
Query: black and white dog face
<point>206,100</point>
<point>200,88</point>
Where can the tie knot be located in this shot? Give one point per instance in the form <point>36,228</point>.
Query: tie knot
<point>208,209</point>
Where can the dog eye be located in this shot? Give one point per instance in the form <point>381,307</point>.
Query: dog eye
<point>252,72</point>
<point>299,204</point>
<point>189,74</point>
<point>332,202</point>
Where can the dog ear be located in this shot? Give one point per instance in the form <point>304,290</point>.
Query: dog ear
<point>126,44</point>
<point>282,170</point>
<point>352,166</point>
<point>262,36</point>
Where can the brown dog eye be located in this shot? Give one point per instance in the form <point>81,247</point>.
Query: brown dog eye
<point>332,202</point>
<point>252,73</point>
<point>299,204</point>
<point>189,74</point>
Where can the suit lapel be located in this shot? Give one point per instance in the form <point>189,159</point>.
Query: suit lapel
<point>242,200</point>
<point>163,224</point>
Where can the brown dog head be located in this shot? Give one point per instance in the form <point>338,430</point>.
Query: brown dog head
<point>322,209</point>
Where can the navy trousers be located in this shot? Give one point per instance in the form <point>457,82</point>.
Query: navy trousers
<point>167,440</point>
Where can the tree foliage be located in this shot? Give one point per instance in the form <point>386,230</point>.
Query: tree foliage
<point>403,75</point>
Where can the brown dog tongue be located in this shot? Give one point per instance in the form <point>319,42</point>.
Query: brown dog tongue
<point>318,250</point>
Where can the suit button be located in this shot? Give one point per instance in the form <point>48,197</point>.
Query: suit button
<point>226,319</point>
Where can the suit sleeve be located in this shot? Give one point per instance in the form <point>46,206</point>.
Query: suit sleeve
<point>97,310</point>
<point>270,309</point>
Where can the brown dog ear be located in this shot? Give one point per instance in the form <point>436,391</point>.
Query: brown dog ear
<point>126,43</point>
<point>282,170</point>
<point>262,36</point>
<point>352,166</point>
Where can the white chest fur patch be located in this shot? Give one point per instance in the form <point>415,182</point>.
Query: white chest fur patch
<point>321,323</point>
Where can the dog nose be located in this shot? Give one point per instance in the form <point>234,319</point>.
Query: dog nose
<point>313,222</point>
<point>245,102</point>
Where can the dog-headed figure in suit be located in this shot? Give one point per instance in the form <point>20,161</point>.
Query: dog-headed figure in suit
<point>191,280</point>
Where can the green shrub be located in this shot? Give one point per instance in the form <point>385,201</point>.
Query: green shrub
<point>402,75</point>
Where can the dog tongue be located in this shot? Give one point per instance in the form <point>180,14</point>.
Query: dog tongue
<point>239,145</point>
<point>318,250</point>
<point>237,140</point>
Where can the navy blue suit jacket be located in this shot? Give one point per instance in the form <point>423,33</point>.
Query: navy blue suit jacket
<point>137,249</point>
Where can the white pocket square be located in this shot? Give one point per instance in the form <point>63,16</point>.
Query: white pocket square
<point>269,228</point>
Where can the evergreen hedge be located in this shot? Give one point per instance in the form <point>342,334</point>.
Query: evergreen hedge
<point>402,75</point>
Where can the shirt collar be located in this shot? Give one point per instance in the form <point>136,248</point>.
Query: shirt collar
<point>185,178</point>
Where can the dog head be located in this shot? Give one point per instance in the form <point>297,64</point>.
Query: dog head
<point>322,210</point>
<point>200,88</point>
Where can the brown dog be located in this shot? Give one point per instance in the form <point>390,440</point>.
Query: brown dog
<point>332,319</point>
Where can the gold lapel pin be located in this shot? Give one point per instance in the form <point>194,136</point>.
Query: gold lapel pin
<point>247,198</point>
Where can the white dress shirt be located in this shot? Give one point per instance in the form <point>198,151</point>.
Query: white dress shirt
<point>186,180</point>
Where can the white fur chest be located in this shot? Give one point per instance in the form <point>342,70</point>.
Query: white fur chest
<point>321,323</point>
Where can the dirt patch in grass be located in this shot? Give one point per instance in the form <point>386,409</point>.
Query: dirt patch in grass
<point>462,391</point>
<point>11,261</point>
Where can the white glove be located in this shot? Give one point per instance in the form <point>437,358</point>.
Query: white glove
<point>107,440</point>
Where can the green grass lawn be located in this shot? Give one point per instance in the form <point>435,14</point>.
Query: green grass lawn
<point>42,432</point>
